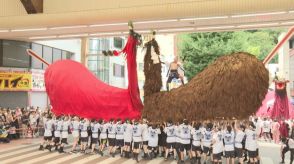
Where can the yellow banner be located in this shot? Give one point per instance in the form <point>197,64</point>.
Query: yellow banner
<point>14,81</point>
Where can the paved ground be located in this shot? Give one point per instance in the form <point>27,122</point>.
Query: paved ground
<point>26,152</point>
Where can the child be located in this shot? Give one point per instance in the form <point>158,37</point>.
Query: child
<point>171,139</point>
<point>95,126</point>
<point>3,135</point>
<point>128,135</point>
<point>196,144</point>
<point>137,138</point>
<point>153,133</point>
<point>207,139</point>
<point>229,137</point>
<point>64,133</point>
<point>57,132</point>
<point>103,136</point>
<point>111,136</point>
<point>240,135</point>
<point>119,138</point>
<point>48,126</point>
<point>251,143</point>
<point>75,126</point>
<point>84,134</point>
<point>217,146</point>
<point>29,131</point>
<point>185,134</point>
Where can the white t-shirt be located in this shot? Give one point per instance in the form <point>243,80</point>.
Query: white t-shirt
<point>137,133</point>
<point>33,119</point>
<point>145,132</point>
<point>58,128</point>
<point>185,133</point>
<point>266,126</point>
<point>84,128</point>
<point>217,147</point>
<point>206,137</point>
<point>48,126</point>
<point>178,134</point>
<point>291,143</point>
<point>171,134</point>
<point>153,137</point>
<point>128,132</point>
<point>119,132</point>
<point>103,130</point>
<point>65,128</point>
<point>111,130</point>
<point>75,125</point>
<point>197,135</point>
<point>95,128</point>
<point>251,143</point>
<point>239,138</point>
<point>229,139</point>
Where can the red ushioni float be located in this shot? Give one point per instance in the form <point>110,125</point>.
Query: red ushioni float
<point>74,90</point>
<point>276,104</point>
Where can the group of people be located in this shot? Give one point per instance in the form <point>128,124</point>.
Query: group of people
<point>20,123</point>
<point>198,141</point>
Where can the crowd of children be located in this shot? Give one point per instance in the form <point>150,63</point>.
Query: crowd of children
<point>197,141</point>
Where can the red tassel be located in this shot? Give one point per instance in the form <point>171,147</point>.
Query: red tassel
<point>115,53</point>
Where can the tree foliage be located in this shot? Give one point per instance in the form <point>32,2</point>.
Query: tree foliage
<point>197,50</point>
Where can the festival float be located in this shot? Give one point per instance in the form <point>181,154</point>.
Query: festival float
<point>233,86</point>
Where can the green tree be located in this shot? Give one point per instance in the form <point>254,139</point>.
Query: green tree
<point>197,50</point>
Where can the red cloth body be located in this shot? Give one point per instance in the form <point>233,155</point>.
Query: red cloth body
<point>281,107</point>
<point>74,90</point>
<point>284,132</point>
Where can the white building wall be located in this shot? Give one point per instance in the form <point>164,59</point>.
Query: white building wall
<point>120,82</point>
<point>72,45</point>
<point>284,62</point>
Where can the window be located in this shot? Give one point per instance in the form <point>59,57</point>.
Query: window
<point>118,42</point>
<point>14,54</point>
<point>118,70</point>
<point>47,55</point>
<point>291,43</point>
<point>38,48</point>
<point>56,55</point>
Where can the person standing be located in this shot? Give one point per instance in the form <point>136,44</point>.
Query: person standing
<point>217,146</point>
<point>57,132</point>
<point>95,126</point>
<point>111,136</point>
<point>119,138</point>
<point>251,142</point>
<point>64,133</point>
<point>275,131</point>
<point>196,143</point>
<point>137,138</point>
<point>229,137</point>
<point>238,142</point>
<point>153,133</point>
<point>207,140</point>
<point>128,135</point>
<point>103,136</point>
<point>185,133</point>
<point>171,139</point>
<point>84,134</point>
<point>75,128</point>
<point>48,126</point>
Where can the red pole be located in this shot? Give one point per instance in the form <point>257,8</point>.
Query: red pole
<point>275,50</point>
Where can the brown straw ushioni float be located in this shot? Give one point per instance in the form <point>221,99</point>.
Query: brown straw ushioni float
<point>232,86</point>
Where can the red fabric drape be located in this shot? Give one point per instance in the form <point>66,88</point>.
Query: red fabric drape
<point>281,107</point>
<point>74,90</point>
